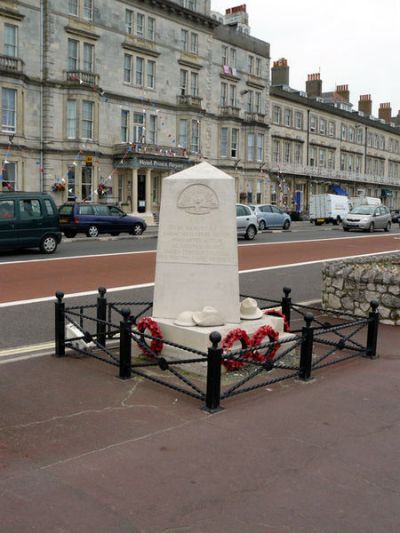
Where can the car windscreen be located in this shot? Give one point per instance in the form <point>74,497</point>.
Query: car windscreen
<point>364,210</point>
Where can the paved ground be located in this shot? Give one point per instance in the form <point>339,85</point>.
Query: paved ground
<point>82,451</point>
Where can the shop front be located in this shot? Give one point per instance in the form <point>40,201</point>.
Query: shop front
<point>140,182</point>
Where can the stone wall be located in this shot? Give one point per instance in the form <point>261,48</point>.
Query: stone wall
<point>350,285</point>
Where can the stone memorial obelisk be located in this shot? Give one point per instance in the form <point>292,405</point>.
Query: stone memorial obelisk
<point>197,255</point>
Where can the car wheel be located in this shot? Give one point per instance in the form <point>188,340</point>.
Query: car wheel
<point>48,245</point>
<point>371,228</point>
<point>388,226</point>
<point>137,229</point>
<point>263,225</point>
<point>114,233</point>
<point>70,234</point>
<point>251,232</point>
<point>345,229</point>
<point>93,231</point>
<point>286,224</point>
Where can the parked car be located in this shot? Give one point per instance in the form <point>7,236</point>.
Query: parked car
<point>270,216</point>
<point>93,219</point>
<point>368,218</point>
<point>29,220</point>
<point>395,215</point>
<point>246,222</point>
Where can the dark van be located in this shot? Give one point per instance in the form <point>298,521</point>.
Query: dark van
<point>29,220</point>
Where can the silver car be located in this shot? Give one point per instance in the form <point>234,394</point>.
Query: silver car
<point>246,222</point>
<point>368,218</point>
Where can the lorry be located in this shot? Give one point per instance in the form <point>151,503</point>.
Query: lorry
<point>328,208</point>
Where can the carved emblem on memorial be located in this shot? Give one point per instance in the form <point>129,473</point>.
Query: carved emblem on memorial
<point>197,199</point>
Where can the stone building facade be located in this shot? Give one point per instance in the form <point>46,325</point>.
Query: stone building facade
<point>105,98</point>
<point>100,94</point>
<point>319,144</point>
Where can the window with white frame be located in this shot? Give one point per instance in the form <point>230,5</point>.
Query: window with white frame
<point>151,74</point>
<point>232,96</point>
<point>331,159</point>
<point>73,55</point>
<point>313,123</point>
<point>287,117</point>
<point>151,28</point>
<point>298,154</point>
<point>140,24</point>
<point>139,71</point>
<point>127,68</point>
<point>322,126</point>
<point>194,43</point>
<point>250,147</point>
<point>87,12</point>
<point>86,183</point>
<point>331,128</point>
<point>235,143</point>
<point>8,110</point>
<point>184,81</point>
<point>225,51</point>
<point>87,119</point>
<point>138,127</point>
<point>184,40</point>
<point>232,57</point>
<point>88,57</point>
<point>351,134</point>
<point>152,130</point>
<point>194,84</point>
<point>72,118</point>
<point>299,120</point>
<point>276,114</point>
<point>287,152</point>
<point>124,125</point>
<point>260,147</point>
<point>10,40</point>
<point>129,21</point>
<point>250,102</point>
<point>276,151</point>
<point>257,102</point>
<point>195,144</point>
<point>250,64</point>
<point>343,134</point>
<point>322,157</point>
<point>313,155</point>
<point>73,7</point>
<point>359,135</point>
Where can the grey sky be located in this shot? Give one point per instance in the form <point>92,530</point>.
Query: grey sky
<point>354,42</point>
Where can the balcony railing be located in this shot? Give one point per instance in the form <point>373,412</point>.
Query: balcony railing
<point>315,172</point>
<point>81,77</point>
<point>189,100</point>
<point>150,149</point>
<point>11,64</point>
<point>255,117</point>
<point>230,111</point>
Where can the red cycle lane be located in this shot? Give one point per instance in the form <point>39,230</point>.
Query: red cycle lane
<point>37,279</point>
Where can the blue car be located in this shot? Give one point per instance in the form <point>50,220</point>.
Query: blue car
<point>270,216</point>
<point>93,219</point>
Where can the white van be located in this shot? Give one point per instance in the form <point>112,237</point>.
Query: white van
<point>328,208</point>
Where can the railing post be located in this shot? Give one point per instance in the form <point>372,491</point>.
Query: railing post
<point>372,334</point>
<point>125,345</point>
<point>59,325</point>
<point>213,395</point>
<point>101,316</point>
<point>286,303</point>
<point>306,348</point>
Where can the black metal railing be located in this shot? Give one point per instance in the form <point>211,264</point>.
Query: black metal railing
<point>110,332</point>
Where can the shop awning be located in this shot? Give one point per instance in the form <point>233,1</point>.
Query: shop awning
<point>337,189</point>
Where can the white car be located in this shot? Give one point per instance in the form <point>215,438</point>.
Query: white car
<point>246,222</point>
<point>368,218</point>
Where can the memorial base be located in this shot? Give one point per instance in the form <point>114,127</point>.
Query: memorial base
<point>198,338</point>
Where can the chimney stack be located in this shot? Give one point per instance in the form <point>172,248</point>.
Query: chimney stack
<point>343,91</point>
<point>385,112</point>
<point>314,85</point>
<point>280,72</point>
<point>365,104</point>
